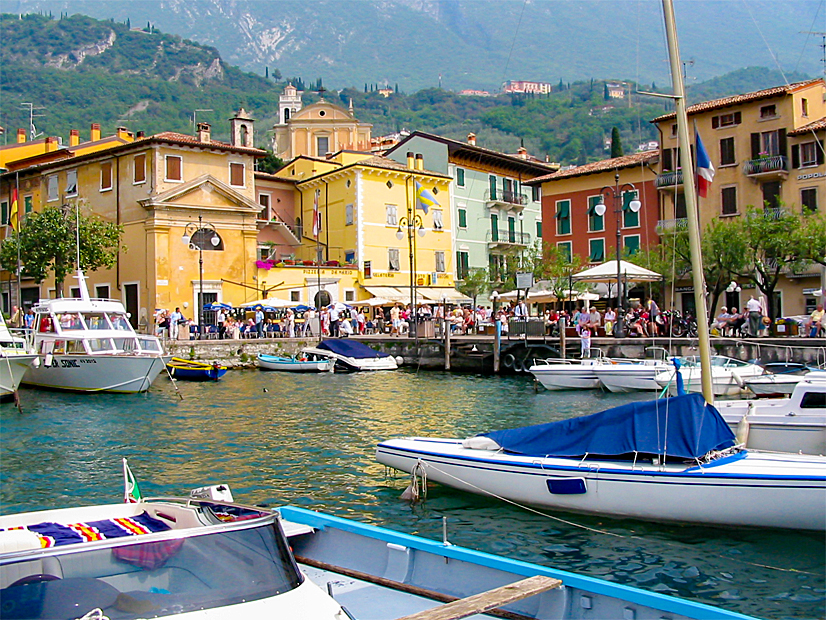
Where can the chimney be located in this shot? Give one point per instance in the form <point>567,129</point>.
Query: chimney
<point>471,139</point>
<point>21,136</point>
<point>419,161</point>
<point>95,132</point>
<point>74,137</point>
<point>204,132</point>
<point>139,135</point>
<point>51,144</point>
<point>522,152</point>
<point>409,159</point>
<point>124,134</point>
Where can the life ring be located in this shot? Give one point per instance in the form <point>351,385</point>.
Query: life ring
<point>508,360</point>
<point>518,366</point>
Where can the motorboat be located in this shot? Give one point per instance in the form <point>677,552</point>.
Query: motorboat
<point>780,378</point>
<point>374,572</point>
<point>306,361</point>
<point>16,355</point>
<point>88,345</point>
<point>728,375</point>
<point>352,355</point>
<point>795,424</point>
<point>194,370</point>
<point>672,459</point>
<point>636,376</point>
<point>195,557</point>
<point>563,374</point>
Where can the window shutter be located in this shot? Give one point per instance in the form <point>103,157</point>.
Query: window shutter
<point>738,118</point>
<point>755,145</point>
<point>667,160</point>
<point>715,122</point>
<point>795,156</point>
<point>781,141</point>
<point>819,150</point>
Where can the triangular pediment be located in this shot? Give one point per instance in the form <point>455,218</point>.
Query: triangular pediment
<point>206,193</point>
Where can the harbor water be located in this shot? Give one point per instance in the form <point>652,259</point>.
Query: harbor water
<point>309,440</point>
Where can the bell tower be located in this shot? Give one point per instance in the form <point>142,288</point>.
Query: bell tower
<point>288,104</point>
<point>241,129</point>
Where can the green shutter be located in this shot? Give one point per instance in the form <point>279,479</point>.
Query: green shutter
<point>539,229</point>
<point>462,218</point>
<point>460,177</point>
<point>632,244</point>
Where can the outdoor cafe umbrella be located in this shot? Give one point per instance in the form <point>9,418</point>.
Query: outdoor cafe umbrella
<point>607,272</point>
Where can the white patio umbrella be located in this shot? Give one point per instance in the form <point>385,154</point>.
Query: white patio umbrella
<point>607,272</point>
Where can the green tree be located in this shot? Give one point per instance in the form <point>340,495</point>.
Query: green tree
<point>555,269</point>
<point>48,245</point>
<point>616,143</point>
<point>477,282</point>
<point>270,163</point>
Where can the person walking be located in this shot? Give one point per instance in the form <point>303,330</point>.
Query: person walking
<point>259,322</point>
<point>334,321</point>
<point>755,313</point>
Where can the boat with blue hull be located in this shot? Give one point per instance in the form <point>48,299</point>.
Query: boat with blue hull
<point>193,370</point>
<point>673,460</point>
<point>373,572</point>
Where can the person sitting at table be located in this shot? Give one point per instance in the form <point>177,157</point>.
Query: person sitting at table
<point>721,323</point>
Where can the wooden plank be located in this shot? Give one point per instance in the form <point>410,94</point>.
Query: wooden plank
<point>486,601</point>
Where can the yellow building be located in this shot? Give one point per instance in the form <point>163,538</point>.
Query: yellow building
<point>767,148</point>
<point>160,188</point>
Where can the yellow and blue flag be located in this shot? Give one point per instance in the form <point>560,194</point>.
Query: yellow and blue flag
<point>424,199</point>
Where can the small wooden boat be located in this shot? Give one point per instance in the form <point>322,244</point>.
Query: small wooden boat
<point>193,370</point>
<point>304,362</point>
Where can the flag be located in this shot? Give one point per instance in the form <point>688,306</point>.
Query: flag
<point>424,199</point>
<point>131,490</point>
<point>705,169</point>
<point>13,214</point>
<point>316,215</point>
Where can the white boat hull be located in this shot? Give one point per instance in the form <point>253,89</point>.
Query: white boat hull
<point>622,378</point>
<point>566,376</point>
<point>97,373</point>
<point>765,490</point>
<point>723,382</point>
<point>12,370</point>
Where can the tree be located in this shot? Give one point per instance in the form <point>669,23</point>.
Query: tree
<point>475,283</point>
<point>48,244</point>
<point>616,143</point>
<point>555,268</point>
<point>276,74</point>
<point>270,163</point>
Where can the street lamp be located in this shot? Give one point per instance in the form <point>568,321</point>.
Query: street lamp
<point>616,193</point>
<point>410,222</point>
<point>195,236</point>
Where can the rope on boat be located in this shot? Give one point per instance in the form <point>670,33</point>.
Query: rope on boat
<point>416,490</point>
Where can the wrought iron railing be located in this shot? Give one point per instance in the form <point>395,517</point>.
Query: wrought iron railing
<point>512,198</point>
<point>508,236</point>
<point>672,225</point>
<point>669,179</point>
<point>762,165</point>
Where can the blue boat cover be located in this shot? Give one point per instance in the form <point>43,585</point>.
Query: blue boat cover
<point>351,348</point>
<point>683,427</point>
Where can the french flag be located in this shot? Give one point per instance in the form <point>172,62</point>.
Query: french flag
<point>705,169</point>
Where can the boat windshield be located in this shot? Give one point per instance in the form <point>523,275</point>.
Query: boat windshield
<point>69,321</point>
<point>100,344</point>
<point>119,321</point>
<point>149,344</point>
<point>165,577</point>
<point>96,320</point>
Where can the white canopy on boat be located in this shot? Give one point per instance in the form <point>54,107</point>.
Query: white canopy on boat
<point>607,272</point>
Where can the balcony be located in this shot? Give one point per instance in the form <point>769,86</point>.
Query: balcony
<point>771,168</point>
<point>506,238</point>
<point>669,180</point>
<point>505,200</point>
<point>671,226</point>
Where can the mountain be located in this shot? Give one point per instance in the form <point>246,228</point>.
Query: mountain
<point>461,44</point>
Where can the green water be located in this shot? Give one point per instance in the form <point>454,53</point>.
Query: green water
<point>309,440</point>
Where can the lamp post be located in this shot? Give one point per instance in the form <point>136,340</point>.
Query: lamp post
<point>195,236</point>
<point>616,193</point>
<point>410,222</point>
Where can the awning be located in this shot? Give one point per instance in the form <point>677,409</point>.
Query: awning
<point>388,292</point>
<point>438,294</point>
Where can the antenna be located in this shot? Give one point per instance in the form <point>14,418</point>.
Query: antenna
<point>822,46</point>
<point>33,135</point>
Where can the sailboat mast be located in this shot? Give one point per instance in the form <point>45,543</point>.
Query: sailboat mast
<point>690,199</point>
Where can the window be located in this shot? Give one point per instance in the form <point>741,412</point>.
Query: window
<point>207,240</point>
<point>51,187</point>
<point>680,209</point>
<point>726,120</point>
<point>106,176</point>
<point>4,213</point>
<point>727,152</point>
<point>539,229</point>
<point>437,219</point>
<point>728,197</point>
<point>350,295</point>
<point>596,250</point>
<point>492,182</point>
<point>348,215</point>
<point>804,107</point>
<point>462,263</point>
<point>102,291</point>
<point>174,168</point>
<point>350,257</point>
<point>808,199</point>
<point>596,223</point>
<point>563,217</point>
<point>462,218</point>
<point>368,269</point>
<point>440,261</point>
<point>768,111</point>
<point>674,129</point>
<point>236,175</point>
<point>494,227</point>
<point>299,229</point>
<point>28,205</point>
<point>393,259</point>
<point>631,244</point>
<point>630,219</point>
<point>536,193</point>
<point>322,145</point>
<point>767,143</point>
<point>771,195</point>
<point>264,201</point>
<point>139,168</point>
<point>392,218</point>
<point>263,252</point>
<point>566,249</point>
<point>808,154</point>
<point>71,183</point>
<point>460,177</point>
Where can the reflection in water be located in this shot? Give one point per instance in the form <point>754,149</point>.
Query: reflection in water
<point>310,441</point>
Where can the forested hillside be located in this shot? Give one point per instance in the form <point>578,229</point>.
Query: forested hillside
<point>78,70</point>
